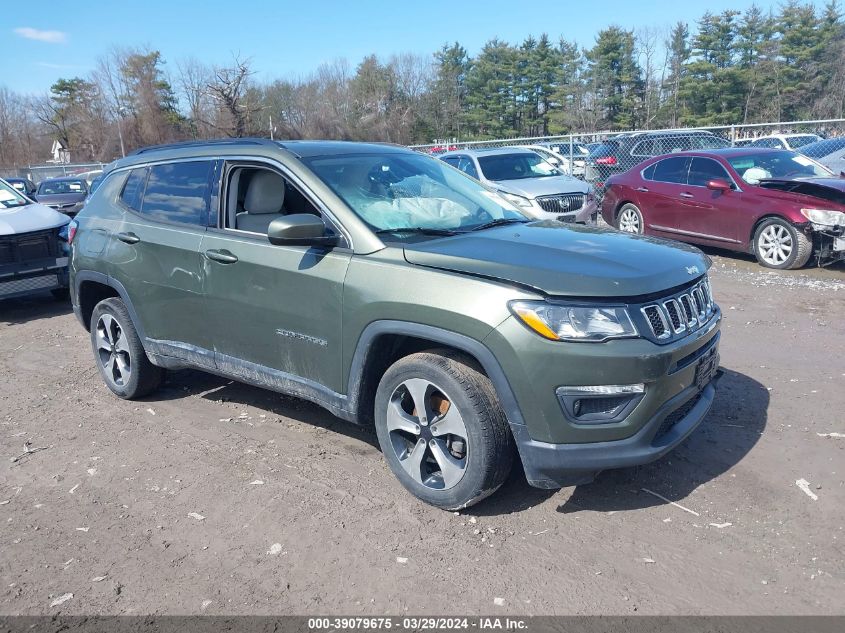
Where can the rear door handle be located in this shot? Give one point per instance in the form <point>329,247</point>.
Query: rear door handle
<point>129,238</point>
<point>642,189</point>
<point>224,256</point>
<point>684,194</point>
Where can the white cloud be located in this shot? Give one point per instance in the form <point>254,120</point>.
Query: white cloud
<point>53,37</point>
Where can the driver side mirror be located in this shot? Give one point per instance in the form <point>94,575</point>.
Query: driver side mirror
<point>718,184</point>
<point>300,229</point>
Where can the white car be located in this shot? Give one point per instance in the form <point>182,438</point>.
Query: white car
<point>785,141</point>
<point>558,154</point>
<point>536,187</point>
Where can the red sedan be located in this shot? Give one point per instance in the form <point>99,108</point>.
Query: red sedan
<point>777,204</point>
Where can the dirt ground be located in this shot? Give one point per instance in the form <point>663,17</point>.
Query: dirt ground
<point>297,513</point>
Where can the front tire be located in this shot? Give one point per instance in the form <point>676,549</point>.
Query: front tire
<point>630,219</point>
<point>442,430</point>
<point>778,244</point>
<point>120,357</point>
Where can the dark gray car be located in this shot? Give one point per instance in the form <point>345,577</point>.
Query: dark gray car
<point>66,195</point>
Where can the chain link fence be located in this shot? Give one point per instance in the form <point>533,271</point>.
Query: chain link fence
<point>594,156</point>
<point>37,173</point>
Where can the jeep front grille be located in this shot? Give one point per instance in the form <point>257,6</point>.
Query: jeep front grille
<point>681,313</point>
<point>561,203</point>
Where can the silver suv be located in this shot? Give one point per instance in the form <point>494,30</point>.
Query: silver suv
<point>527,180</point>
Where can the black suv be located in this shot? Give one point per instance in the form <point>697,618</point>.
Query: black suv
<point>619,153</point>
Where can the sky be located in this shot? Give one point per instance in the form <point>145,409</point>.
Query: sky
<point>284,39</point>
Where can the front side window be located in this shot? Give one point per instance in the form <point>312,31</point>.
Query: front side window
<point>515,166</point>
<point>644,148</point>
<point>398,190</point>
<point>178,192</point>
<point>703,170</point>
<point>672,144</point>
<point>672,170</point>
<point>753,168</point>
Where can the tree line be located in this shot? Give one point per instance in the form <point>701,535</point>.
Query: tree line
<point>732,67</point>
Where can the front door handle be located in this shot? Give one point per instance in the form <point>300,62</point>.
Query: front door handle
<point>642,189</point>
<point>224,256</point>
<point>129,238</point>
<point>684,194</point>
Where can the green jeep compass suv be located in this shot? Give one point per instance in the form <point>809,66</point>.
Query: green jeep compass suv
<point>396,291</point>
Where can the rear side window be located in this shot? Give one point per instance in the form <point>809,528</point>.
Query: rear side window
<point>134,188</point>
<point>644,148</point>
<point>672,170</point>
<point>179,192</point>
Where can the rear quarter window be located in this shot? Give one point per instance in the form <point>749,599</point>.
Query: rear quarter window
<point>133,189</point>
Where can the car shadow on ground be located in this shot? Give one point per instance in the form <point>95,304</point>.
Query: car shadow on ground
<point>193,382</point>
<point>731,429</point>
<point>41,305</point>
<point>749,261</point>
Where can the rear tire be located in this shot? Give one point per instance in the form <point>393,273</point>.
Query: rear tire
<point>460,449</point>
<point>630,219</point>
<point>778,244</point>
<point>119,354</point>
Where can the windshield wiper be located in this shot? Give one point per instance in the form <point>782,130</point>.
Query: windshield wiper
<point>498,222</point>
<point>424,230</point>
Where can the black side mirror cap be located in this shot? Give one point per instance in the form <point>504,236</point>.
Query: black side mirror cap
<point>300,229</point>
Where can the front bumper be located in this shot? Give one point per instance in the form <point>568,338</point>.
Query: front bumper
<point>33,277</point>
<point>557,450</point>
<point>557,465</point>
<point>585,215</point>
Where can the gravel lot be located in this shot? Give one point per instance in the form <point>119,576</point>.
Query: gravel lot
<point>213,497</point>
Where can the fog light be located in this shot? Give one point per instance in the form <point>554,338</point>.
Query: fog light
<point>599,404</point>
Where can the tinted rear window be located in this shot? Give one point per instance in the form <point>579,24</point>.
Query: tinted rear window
<point>823,148</point>
<point>178,192</point>
<point>607,148</point>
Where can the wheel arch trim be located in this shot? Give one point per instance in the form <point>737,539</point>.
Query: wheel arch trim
<point>466,344</point>
<point>101,278</point>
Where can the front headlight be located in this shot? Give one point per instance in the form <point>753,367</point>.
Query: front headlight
<point>519,201</point>
<point>824,216</point>
<point>575,323</point>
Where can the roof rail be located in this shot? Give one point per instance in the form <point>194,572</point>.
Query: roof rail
<point>217,141</point>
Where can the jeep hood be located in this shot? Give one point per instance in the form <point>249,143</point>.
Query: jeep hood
<point>565,260</point>
<point>547,186</point>
<point>29,218</point>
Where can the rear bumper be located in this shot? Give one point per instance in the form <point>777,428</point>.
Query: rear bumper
<point>557,465</point>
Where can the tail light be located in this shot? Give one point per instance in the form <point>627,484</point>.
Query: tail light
<point>71,230</point>
<point>606,160</point>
